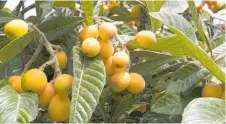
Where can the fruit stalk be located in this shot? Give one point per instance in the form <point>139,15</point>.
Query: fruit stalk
<point>48,63</point>
<point>49,48</point>
<point>33,58</point>
<point>123,47</point>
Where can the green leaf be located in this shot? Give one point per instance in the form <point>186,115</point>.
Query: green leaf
<point>126,29</point>
<point>194,51</point>
<point>174,6</point>
<point>89,80</point>
<point>160,118</point>
<point>186,77</point>
<point>39,10</point>
<point>59,26</point>
<point>12,49</point>
<point>65,3</point>
<point>120,11</point>
<point>3,41</point>
<point>88,7</point>
<point>155,6</point>
<point>16,108</point>
<point>123,18</point>
<point>170,104</point>
<point>14,67</point>
<point>198,23</point>
<point>181,45</point>
<point>204,110</point>
<point>145,68</point>
<point>147,53</point>
<point>121,105</point>
<point>217,41</point>
<point>46,5</point>
<point>6,17</point>
<point>176,23</point>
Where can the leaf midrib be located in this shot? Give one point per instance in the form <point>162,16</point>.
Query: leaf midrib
<point>79,84</point>
<point>17,107</point>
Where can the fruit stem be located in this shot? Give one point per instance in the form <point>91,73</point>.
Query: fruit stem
<point>49,48</point>
<point>57,47</point>
<point>33,58</point>
<point>46,64</point>
<point>124,48</point>
<point>120,41</point>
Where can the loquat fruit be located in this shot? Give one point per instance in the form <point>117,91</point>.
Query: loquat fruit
<point>146,38</point>
<point>47,95</point>
<point>136,11</point>
<point>34,80</point>
<point>15,81</point>
<point>212,90</point>
<point>62,59</point>
<point>119,81</point>
<point>107,31</point>
<point>137,83</point>
<point>120,59</point>
<point>59,107</point>
<point>15,29</point>
<point>90,47</point>
<point>106,49</point>
<point>63,82</point>
<point>89,32</point>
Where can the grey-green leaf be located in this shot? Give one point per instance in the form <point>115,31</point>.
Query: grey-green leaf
<point>175,6</point>
<point>59,26</point>
<point>198,23</point>
<point>16,108</point>
<point>170,104</point>
<point>145,68</point>
<point>177,22</point>
<point>12,49</point>
<point>6,17</point>
<point>186,77</point>
<point>120,107</point>
<point>204,110</point>
<point>89,80</point>
<point>88,7</point>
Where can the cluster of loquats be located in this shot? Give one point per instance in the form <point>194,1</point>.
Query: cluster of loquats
<point>54,94</point>
<point>214,90</point>
<point>97,41</point>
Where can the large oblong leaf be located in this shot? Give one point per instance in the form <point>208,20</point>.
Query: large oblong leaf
<point>181,44</point>
<point>170,104</point>
<point>186,77</point>
<point>145,68</point>
<point>89,80</point>
<point>88,7</point>
<point>205,110</point>
<point>59,26</point>
<point>12,49</point>
<point>16,108</point>
<point>6,17</point>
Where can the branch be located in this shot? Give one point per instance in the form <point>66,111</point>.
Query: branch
<point>17,9</point>
<point>33,58</point>
<point>49,48</point>
<point>46,64</point>
<point>28,8</point>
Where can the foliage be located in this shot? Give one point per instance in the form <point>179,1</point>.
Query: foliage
<point>187,54</point>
